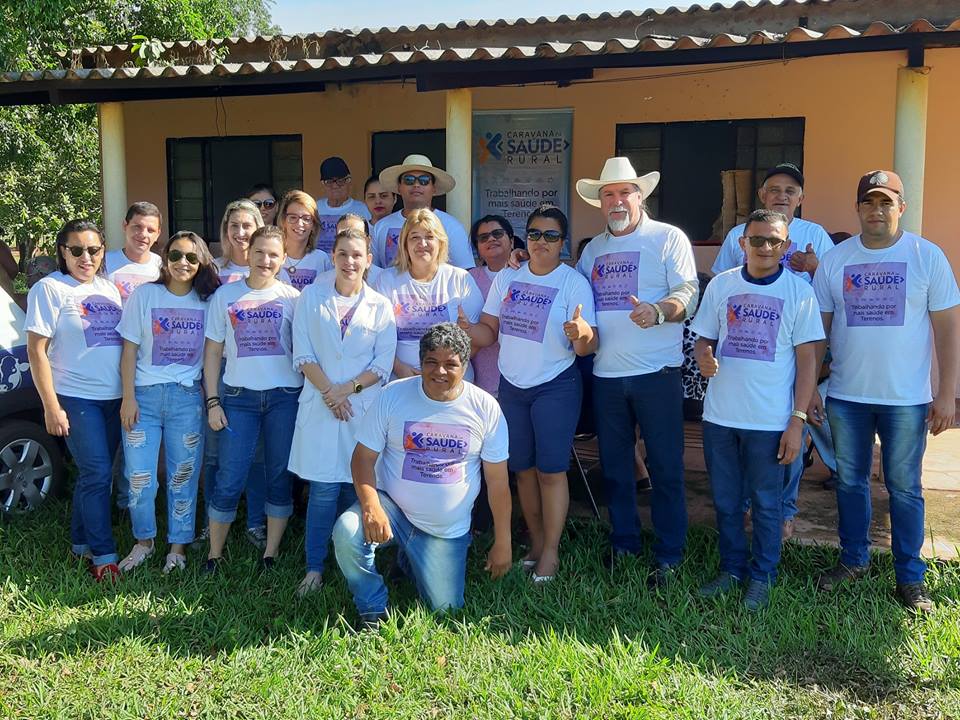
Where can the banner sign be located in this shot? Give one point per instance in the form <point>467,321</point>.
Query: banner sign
<point>521,160</point>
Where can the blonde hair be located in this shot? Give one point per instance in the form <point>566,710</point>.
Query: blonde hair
<point>305,199</point>
<point>238,206</point>
<point>426,219</point>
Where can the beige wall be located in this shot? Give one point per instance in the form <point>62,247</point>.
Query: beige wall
<point>848,102</point>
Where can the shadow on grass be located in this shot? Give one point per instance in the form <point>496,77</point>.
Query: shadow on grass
<point>858,640</point>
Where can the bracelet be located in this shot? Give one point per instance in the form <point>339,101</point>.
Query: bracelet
<point>213,398</point>
<point>212,405</point>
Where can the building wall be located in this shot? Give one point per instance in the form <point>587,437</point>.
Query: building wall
<point>848,102</point>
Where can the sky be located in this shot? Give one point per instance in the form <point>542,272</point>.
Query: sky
<point>299,16</point>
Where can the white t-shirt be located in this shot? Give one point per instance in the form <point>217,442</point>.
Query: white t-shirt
<point>646,263</point>
<point>230,272</point>
<point>81,321</point>
<point>169,330</point>
<point>431,452</point>
<point>128,275</point>
<point>757,327</point>
<point>386,236</point>
<point>418,306</point>
<point>881,339</point>
<point>801,233</point>
<point>302,272</point>
<point>532,309</point>
<point>327,218</point>
<point>259,345</point>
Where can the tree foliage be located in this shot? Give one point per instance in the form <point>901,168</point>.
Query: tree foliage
<point>49,155</point>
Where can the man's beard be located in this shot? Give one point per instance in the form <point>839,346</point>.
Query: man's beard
<point>618,225</point>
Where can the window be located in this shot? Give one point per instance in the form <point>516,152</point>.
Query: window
<point>204,174</point>
<point>691,155</point>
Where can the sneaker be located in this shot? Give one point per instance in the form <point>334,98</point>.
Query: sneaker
<point>266,563</point>
<point>662,575</point>
<point>914,596</point>
<point>372,621</point>
<point>757,596</point>
<point>786,531</point>
<point>212,566</point>
<point>137,557</point>
<point>841,574</point>
<point>257,537</point>
<point>174,561</point>
<point>720,585</point>
<point>204,535</point>
<point>311,582</point>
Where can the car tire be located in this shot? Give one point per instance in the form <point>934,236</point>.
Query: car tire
<point>31,466</point>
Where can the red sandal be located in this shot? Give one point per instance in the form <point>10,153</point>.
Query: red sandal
<point>105,573</point>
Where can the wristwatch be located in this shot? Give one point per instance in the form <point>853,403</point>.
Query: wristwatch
<point>357,387</point>
<point>800,414</point>
<point>661,318</point>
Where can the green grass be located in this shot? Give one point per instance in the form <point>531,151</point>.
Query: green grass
<point>589,645</point>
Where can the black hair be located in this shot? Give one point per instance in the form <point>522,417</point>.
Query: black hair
<point>78,226</point>
<point>260,187</point>
<point>765,216</point>
<point>446,336</point>
<point>144,209</point>
<point>499,219</point>
<point>207,280</point>
<point>371,179</point>
<point>551,212</point>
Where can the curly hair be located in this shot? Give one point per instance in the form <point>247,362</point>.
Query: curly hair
<point>446,336</point>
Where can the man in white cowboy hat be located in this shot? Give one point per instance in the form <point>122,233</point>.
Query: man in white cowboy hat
<point>418,181</point>
<point>644,279</point>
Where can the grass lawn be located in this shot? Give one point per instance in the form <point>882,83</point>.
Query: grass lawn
<point>589,645</point>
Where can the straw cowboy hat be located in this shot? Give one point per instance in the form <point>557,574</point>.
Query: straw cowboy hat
<point>615,170</point>
<point>443,181</point>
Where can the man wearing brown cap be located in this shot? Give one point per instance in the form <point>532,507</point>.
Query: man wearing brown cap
<point>888,299</point>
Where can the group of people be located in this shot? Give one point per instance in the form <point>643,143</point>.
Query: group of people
<point>362,350</point>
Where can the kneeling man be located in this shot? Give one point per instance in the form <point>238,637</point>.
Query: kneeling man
<point>758,334</point>
<point>430,433</point>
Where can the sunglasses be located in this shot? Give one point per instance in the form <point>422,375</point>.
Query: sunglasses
<point>550,236</point>
<point>78,250</point>
<point>496,234</point>
<point>264,204</point>
<point>758,241</point>
<point>178,255</point>
<point>424,180</point>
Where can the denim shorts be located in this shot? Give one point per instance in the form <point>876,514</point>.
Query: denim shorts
<point>542,421</point>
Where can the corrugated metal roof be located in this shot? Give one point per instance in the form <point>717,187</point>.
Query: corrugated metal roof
<point>545,50</point>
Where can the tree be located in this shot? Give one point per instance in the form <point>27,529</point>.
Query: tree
<point>49,155</point>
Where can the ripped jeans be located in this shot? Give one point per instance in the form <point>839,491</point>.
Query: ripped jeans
<point>175,413</point>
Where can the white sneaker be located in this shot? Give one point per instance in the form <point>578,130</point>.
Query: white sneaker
<point>136,558</point>
<point>311,582</point>
<point>174,561</point>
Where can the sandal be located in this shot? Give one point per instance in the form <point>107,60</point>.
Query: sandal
<point>105,573</point>
<point>174,561</point>
<point>138,555</point>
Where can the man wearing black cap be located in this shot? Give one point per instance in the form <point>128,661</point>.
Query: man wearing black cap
<point>782,192</point>
<point>335,176</point>
<point>888,299</point>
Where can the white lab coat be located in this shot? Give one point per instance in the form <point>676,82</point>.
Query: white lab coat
<point>322,445</point>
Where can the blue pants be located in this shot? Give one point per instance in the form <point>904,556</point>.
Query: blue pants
<point>655,402</point>
<point>328,500</point>
<point>252,414</point>
<point>903,438</point>
<point>93,441</point>
<point>743,464</point>
<point>174,413</point>
<point>438,565</point>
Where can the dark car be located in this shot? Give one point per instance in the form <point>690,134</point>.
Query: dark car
<point>31,461</point>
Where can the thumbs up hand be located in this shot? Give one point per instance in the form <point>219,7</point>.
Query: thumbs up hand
<point>805,261</point>
<point>643,314</point>
<point>462,320</point>
<point>576,327</point>
<point>707,363</point>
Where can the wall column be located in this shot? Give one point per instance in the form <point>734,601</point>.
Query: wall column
<point>460,152</point>
<point>910,141</point>
<point>113,171</point>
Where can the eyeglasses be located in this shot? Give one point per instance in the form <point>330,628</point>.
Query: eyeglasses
<point>264,204</point>
<point>337,182</point>
<point>294,219</point>
<point>758,241</point>
<point>78,250</point>
<point>550,236</point>
<point>178,255</point>
<point>497,234</point>
<point>423,180</point>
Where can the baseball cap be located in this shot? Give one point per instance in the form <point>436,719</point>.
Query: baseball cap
<point>333,168</point>
<point>884,181</point>
<point>785,169</point>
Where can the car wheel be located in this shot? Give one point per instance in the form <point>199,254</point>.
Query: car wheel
<point>31,466</point>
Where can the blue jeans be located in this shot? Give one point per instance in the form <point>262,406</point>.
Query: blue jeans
<point>438,565</point>
<point>327,501</point>
<point>743,464</point>
<point>93,441</point>
<point>790,476</point>
<point>252,414</point>
<point>655,402</point>
<point>903,438</point>
<point>173,412</point>
<point>821,436</point>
